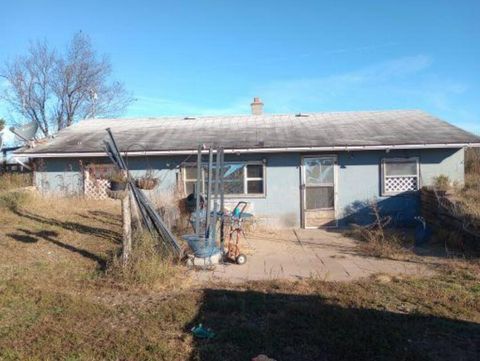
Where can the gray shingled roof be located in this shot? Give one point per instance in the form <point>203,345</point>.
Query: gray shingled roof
<point>365,128</point>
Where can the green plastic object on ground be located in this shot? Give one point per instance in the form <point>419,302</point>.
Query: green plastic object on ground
<point>202,332</point>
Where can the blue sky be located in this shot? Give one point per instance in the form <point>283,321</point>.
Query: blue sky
<point>212,57</point>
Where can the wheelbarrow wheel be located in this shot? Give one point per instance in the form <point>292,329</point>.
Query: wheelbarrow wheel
<point>241,259</point>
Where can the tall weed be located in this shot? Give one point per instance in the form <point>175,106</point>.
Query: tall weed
<point>375,239</point>
<point>14,200</point>
<point>147,265</point>
<point>9,181</point>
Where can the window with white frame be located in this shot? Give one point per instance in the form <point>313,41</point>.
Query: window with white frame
<point>241,179</point>
<point>190,178</point>
<point>400,175</point>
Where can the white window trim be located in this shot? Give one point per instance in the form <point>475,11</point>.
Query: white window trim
<point>398,159</point>
<point>245,179</point>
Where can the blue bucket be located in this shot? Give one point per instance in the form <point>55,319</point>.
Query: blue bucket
<point>201,246</point>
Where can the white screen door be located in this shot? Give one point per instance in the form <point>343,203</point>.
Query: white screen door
<point>319,177</point>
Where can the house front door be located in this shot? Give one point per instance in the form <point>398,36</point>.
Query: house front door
<point>318,191</point>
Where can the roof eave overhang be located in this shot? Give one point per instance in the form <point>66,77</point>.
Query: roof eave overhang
<point>347,148</point>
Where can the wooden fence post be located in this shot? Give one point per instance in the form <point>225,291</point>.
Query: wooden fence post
<point>127,229</point>
<point>135,214</point>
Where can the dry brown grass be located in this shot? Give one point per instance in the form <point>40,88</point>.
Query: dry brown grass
<point>469,195</point>
<point>147,266</point>
<point>50,232</point>
<point>9,181</point>
<point>57,304</point>
<point>472,161</point>
<point>467,201</point>
<point>376,240</point>
<point>14,199</point>
<point>380,242</point>
<point>85,232</point>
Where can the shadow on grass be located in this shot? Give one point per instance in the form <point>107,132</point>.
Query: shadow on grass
<point>50,236</point>
<point>104,233</point>
<point>102,217</point>
<point>23,238</point>
<point>300,328</point>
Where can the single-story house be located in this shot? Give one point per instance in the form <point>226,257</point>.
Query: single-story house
<point>298,170</point>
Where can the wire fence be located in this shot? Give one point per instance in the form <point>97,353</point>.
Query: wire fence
<point>472,161</point>
<point>447,214</point>
<point>455,213</point>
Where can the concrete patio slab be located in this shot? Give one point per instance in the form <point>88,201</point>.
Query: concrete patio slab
<point>301,254</point>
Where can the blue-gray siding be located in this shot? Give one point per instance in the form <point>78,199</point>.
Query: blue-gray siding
<point>359,181</point>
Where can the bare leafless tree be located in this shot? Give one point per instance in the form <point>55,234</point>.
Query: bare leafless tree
<point>29,78</point>
<point>82,87</point>
<point>55,89</point>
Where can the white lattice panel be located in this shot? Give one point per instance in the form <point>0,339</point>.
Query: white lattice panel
<point>96,188</point>
<point>400,184</point>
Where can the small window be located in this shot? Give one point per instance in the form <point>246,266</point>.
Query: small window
<point>255,171</point>
<point>240,179</point>
<point>400,175</point>
<point>254,179</point>
<point>233,182</point>
<point>100,171</point>
<point>190,179</point>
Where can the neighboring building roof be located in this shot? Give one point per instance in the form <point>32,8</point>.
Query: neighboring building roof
<point>254,133</point>
<point>6,155</point>
<point>8,158</point>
